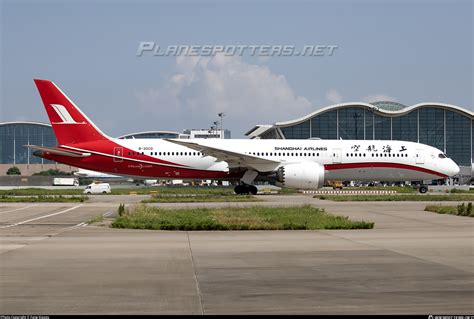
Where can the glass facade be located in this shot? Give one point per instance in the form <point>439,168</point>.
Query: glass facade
<point>405,127</point>
<point>324,126</point>
<point>351,123</point>
<point>431,122</point>
<point>13,137</point>
<point>382,127</point>
<point>301,130</point>
<point>440,126</point>
<point>458,138</point>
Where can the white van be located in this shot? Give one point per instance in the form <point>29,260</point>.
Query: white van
<point>97,188</point>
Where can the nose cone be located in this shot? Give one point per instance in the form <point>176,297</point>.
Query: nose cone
<point>453,168</point>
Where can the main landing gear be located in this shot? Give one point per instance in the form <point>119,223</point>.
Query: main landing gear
<point>244,189</point>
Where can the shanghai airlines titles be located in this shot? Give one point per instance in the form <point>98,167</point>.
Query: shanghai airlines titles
<point>302,164</point>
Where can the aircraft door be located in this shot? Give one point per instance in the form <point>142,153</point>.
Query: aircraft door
<point>118,151</point>
<point>420,156</point>
<point>336,155</point>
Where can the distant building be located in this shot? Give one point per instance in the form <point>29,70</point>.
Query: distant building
<point>13,152</point>
<point>206,133</point>
<point>152,134</point>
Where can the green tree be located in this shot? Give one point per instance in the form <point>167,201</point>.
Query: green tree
<point>13,171</point>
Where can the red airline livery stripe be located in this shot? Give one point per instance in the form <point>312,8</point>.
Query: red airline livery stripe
<point>383,165</point>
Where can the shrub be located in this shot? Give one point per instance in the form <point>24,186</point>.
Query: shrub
<point>52,172</point>
<point>461,209</point>
<point>121,210</point>
<point>469,211</point>
<point>13,171</point>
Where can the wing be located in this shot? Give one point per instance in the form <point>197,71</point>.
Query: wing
<point>58,151</point>
<point>232,157</point>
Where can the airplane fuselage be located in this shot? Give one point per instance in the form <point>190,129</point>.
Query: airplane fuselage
<point>342,159</point>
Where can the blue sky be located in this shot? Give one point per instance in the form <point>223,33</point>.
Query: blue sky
<point>408,51</point>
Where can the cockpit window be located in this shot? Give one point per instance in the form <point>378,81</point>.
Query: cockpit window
<point>441,155</point>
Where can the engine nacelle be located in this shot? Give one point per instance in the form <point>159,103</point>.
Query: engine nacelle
<point>305,175</point>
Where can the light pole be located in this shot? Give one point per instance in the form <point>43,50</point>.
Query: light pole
<point>221,115</point>
<point>216,126</point>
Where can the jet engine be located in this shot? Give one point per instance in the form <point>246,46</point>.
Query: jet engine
<point>300,175</point>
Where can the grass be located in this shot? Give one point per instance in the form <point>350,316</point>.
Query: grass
<point>414,197</point>
<point>462,191</point>
<point>460,210</point>
<point>170,198</point>
<point>42,198</point>
<point>235,218</point>
<point>97,219</point>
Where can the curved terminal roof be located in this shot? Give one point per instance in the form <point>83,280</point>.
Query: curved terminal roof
<point>26,122</point>
<point>382,108</point>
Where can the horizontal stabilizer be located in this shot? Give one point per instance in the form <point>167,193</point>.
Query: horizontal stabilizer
<point>57,151</point>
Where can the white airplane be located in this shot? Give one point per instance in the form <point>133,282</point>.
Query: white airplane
<point>301,164</point>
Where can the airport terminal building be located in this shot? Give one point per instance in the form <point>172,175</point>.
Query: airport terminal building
<point>13,152</point>
<point>447,127</point>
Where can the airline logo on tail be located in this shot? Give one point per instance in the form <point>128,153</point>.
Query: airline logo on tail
<point>62,112</point>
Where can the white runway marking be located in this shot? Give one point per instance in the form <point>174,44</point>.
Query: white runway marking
<point>14,210</point>
<point>41,217</point>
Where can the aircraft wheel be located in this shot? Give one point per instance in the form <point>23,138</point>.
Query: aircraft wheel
<point>253,190</point>
<point>239,189</point>
<point>423,189</point>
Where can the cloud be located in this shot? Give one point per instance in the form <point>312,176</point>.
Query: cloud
<point>201,87</point>
<point>334,96</point>
<point>377,98</point>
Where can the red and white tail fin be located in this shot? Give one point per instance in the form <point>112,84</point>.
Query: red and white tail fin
<point>69,123</point>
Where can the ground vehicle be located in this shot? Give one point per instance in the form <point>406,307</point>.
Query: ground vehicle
<point>336,184</point>
<point>97,188</point>
<point>65,181</point>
